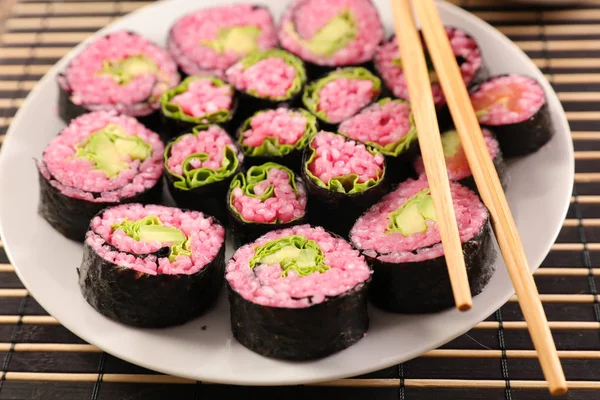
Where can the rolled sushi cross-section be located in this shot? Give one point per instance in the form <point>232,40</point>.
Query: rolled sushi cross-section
<point>121,71</point>
<point>341,94</point>
<point>210,40</point>
<point>514,107</point>
<point>388,62</point>
<point>298,294</point>
<point>278,135</point>
<point>456,160</point>
<point>100,159</point>
<point>400,238</point>
<point>152,266</point>
<point>199,167</point>
<point>265,198</point>
<point>331,33</point>
<point>389,127</point>
<point>198,100</point>
<point>343,179</point>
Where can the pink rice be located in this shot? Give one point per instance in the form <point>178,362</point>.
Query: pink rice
<point>77,178</point>
<point>309,16</point>
<point>204,98</point>
<point>381,124</point>
<point>462,45</point>
<point>368,233</point>
<point>343,97</point>
<point>211,141</point>
<point>207,239</point>
<point>98,91</point>
<point>458,166</point>
<point>284,206</point>
<point>337,156</point>
<point>186,35</point>
<point>525,94</point>
<point>286,125</point>
<point>271,78</point>
<point>264,284</point>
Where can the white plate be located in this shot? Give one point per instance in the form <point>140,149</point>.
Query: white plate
<point>45,261</point>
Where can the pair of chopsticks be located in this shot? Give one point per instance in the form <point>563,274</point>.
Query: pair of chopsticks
<point>482,168</point>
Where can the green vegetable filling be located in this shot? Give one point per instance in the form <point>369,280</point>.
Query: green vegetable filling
<point>410,218</point>
<point>239,39</point>
<point>433,76</point>
<point>174,111</point>
<point>311,94</point>
<point>126,69</point>
<point>194,178</point>
<point>292,253</point>
<point>335,35</point>
<point>450,143</point>
<point>270,145</point>
<point>151,229</point>
<point>110,148</point>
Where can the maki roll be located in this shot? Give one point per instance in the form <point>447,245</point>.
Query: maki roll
<point>456,160</point>
<point>341,94</point>
<point>198,100</point>
<point>152,266</point>
<point>267,79</point>
<point>388,63</point>
<point>265,198</point>
<point>121,71</point>
<point>277,135</point>
<point>343,179</point>
<point>199,167</point>
<point>389,127</point>
<point>298,294</point>
<point>400,239</point>
<point>514,107</point>
<point>210,40</point>
<point>327,34</point>
<point>101,159</point>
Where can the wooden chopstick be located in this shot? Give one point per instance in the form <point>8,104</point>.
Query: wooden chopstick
<point>430,142</point>
<point>490,189</point>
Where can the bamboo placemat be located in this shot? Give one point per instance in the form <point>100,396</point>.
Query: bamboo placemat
<point>40,359</point>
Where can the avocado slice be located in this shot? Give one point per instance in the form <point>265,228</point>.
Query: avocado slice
<point>450,143</point>
<point>159,233</point>
<point>410,218</point>
<point>124,70</point>
<point>286,253</point>
<point>239,39</point>
<point>333,36</point>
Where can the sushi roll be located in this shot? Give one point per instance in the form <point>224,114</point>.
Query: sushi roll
<point>388,63</point>
<point>199,167</point>
<point>277,135</point>
<point>456,160</point>
<point>210,40</point>
<point>152,266</point>
<point>343,178</point>
<point>400,239</point>
<point>198,100</point>
<point>101,159</point>
<point>121,71</point>
<point>389,127</point>
<point>328,34</point>
<point>267,79</point>
<point>298,294</point>
<point>265,198</point>
<point>341,94</point>
<point>514,107</point>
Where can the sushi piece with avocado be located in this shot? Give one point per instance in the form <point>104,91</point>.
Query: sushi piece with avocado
<point>298,294</point>
<point>400,238</point>
<point>152,266</point>
<point>101,159</point>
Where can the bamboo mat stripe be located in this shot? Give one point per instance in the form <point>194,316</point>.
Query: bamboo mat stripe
<point>495,360</point>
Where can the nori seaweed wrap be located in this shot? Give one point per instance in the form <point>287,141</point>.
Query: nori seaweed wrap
<point>265,198</point>
<point>298,294</point>
<point>199,167</point>
<point>152,266</point>
<point>400,239</point>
